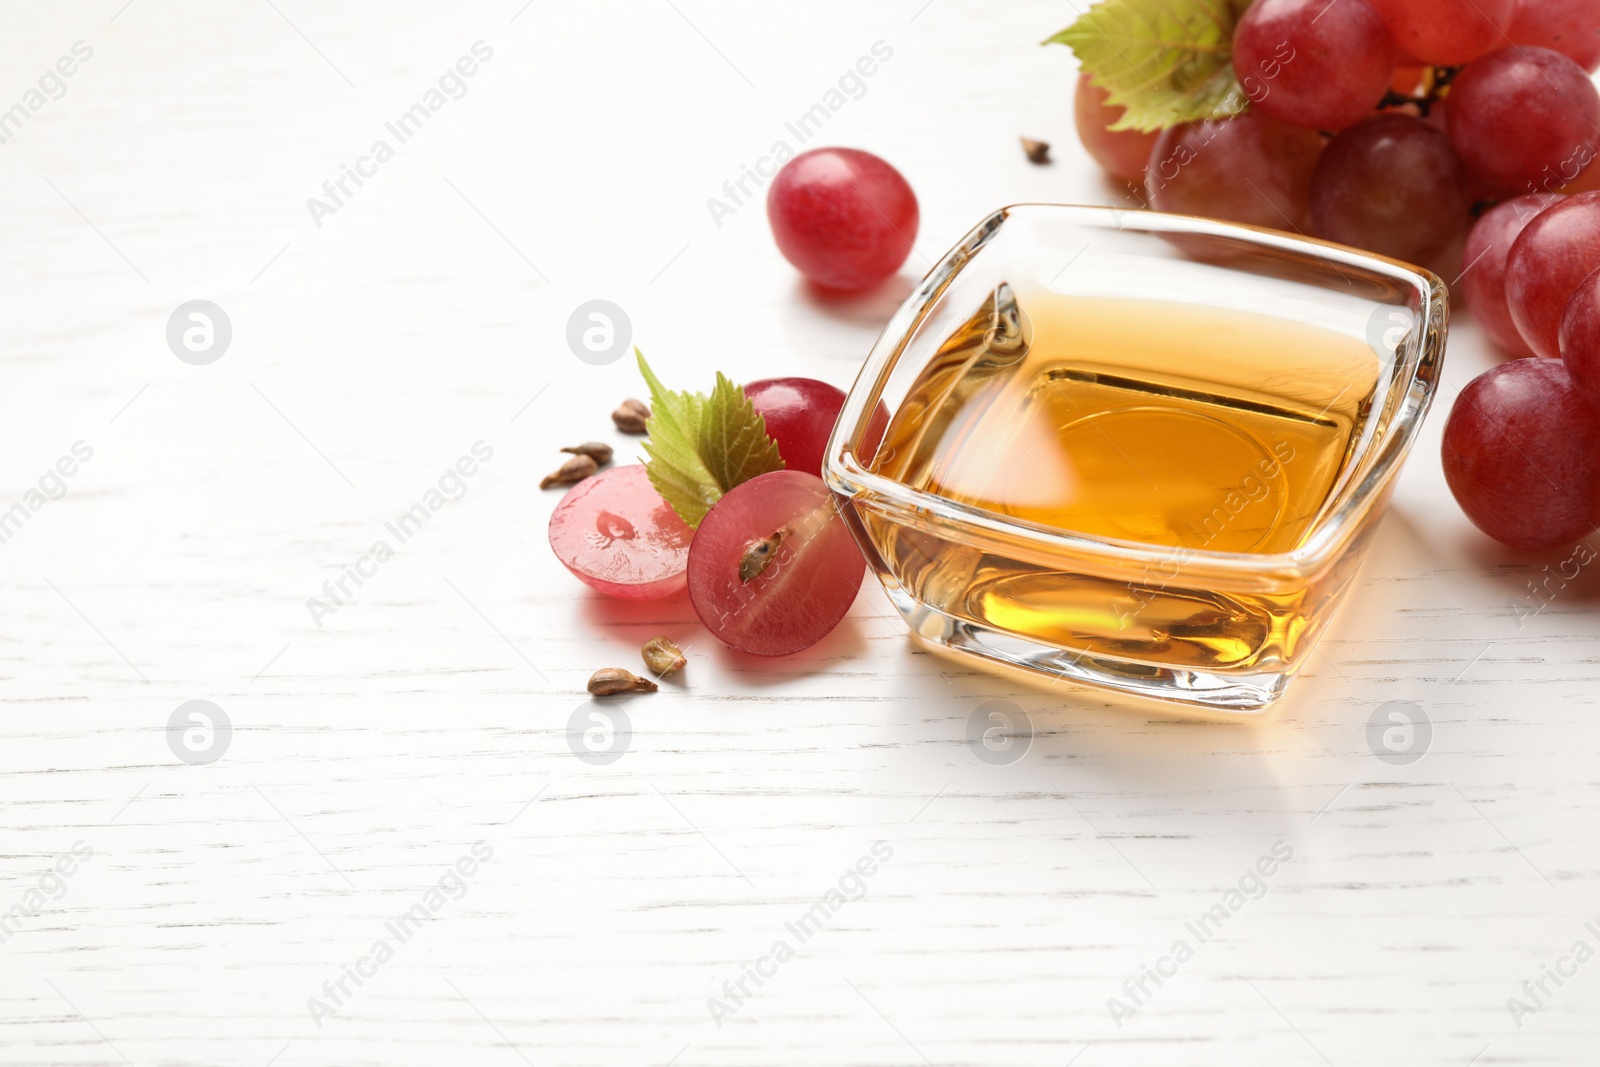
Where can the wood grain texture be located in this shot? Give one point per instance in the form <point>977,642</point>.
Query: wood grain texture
<point>431,711</point>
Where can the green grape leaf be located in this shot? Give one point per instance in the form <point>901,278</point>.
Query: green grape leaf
<point>702,446</point>
<point>1165,61</point>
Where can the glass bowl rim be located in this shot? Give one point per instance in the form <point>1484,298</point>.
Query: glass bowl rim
<point>1416,377</point>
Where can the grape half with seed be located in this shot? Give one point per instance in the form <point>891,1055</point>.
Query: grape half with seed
<point>774,568</point>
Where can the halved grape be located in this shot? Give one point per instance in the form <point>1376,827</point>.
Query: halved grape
<point>773,567</point>
<point>1248,168</point>
<point>845,218</point>
<point>1580,339</point>
<point>1312,63</point>
<point>1571,27</point>
<point>1356,198</point>
<point>1526,118</point>
<point>1121,153</point>
<point>1483,282</point>
<point>1447,31</point>
<point>1522,455</point>
<point>1554,252</point>
<point>617,534</point>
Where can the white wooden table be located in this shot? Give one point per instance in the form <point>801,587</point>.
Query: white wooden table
<point>1006,904</point>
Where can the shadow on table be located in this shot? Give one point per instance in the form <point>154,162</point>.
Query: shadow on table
<point>872,307</point>
<point>1567,574</point>
<point>676,619</point>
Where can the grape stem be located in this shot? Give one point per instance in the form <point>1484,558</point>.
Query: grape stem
<point>1435,82</point>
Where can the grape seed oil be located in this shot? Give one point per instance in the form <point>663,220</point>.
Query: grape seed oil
<point>1192,429</point>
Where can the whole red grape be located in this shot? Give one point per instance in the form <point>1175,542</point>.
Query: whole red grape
<point>1484,280</point>
<point>1554,252</point>
<point>1522,455</point>
<point>1580,339</point>
<point>1356,200</point>
<point>1120,153</point>
<point>1526,118</point>
<point>1571,27</point>
<point>1249,168</point>
<point>843,217</point>
<point>1447,32</point>
<point>1312,63</point>
<point>800,413</point>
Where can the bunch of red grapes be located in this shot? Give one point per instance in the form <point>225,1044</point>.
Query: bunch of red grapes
<point>1389,124</point>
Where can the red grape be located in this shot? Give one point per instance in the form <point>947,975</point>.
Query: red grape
<point>1571,27</point>
<point>1522,455</point>
<point>1120,153</point>
<point>1525,118</point>
<point>783,530</point>
<point>615,532</point>
<point>1312,63</point>
<point>1554,252</point>
<point>800,413</point>
<point>844,218</point>
<point>1392,185</point>
<point>1249,168</point>
<point>1480,190</point>
<point>1484,280</point>
<point>1447,32</point>
<point>1580,339</point>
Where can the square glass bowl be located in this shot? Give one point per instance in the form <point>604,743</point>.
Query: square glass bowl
<point>1173,342</point>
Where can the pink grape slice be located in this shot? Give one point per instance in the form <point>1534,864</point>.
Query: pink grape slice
<point>617,534</point>
<point>809,581</point>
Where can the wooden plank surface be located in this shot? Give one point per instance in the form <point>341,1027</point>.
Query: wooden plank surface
<point>996,909</point>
